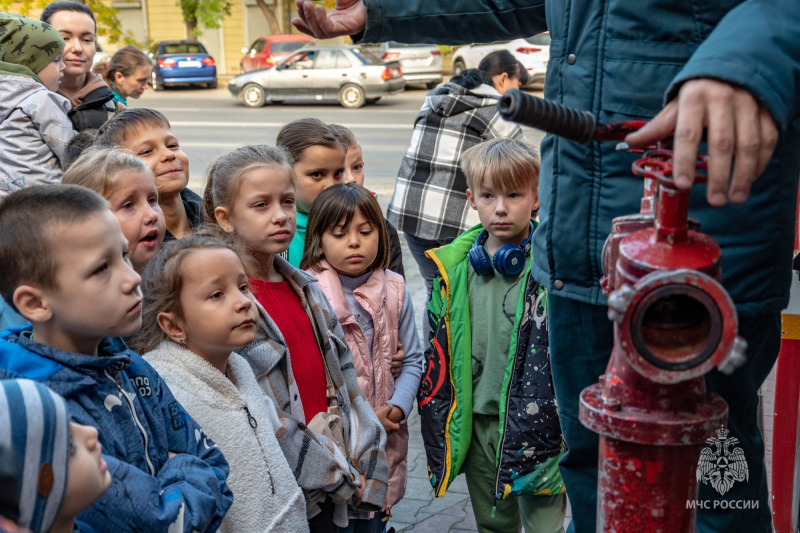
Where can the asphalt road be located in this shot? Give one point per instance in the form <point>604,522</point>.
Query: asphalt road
<point>209,123</point>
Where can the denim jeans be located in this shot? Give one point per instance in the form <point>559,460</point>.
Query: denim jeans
<point>581,339</point>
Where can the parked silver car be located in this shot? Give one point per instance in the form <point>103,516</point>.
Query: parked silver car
<point>421,63</point>
<point>349,74</point>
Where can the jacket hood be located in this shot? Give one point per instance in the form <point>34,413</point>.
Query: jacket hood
<point>14,89</point>
<point>76,370</point>
<point>448,99</point>
<point>93,82</point>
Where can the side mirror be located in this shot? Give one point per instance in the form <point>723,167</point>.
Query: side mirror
<point>245,50</point>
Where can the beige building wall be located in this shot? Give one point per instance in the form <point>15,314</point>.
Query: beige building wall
<point>164,21</point>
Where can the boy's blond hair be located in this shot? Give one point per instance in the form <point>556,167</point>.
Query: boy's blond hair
<point>507,163</point>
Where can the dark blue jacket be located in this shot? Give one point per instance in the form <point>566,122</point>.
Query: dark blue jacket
<point>622,60</point>
<point>139,422</point>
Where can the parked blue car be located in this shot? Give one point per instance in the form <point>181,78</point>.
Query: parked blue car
<point>182,62</point>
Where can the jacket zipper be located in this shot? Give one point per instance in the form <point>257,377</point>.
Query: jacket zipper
<point>254,424</point>
<point>505,419</point>
<point>136,421</point>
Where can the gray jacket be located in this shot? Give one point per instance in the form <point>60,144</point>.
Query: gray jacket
<point>34,131</point>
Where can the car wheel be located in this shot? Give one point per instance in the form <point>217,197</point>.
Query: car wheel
<point>253,95</point>
<point>157,86</point>
<point>430,85</point>
<point>458,67</point>
<point>212,85</point>
<point>373,100</point>
<point>351,96</point>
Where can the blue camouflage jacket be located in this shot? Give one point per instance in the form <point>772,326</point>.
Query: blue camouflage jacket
<point>622,60</point>
<point>139,423</point>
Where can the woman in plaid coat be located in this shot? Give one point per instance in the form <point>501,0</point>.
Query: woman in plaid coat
<point>429,202</point>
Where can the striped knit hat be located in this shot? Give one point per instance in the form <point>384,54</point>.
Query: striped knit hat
<point>35,424</point>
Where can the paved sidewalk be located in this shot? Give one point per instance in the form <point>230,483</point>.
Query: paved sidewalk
<point>419,511</point>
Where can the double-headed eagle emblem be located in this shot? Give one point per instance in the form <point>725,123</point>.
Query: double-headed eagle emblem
<point>720,466</point>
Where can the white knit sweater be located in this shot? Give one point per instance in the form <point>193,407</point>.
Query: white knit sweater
<point>266,497</point>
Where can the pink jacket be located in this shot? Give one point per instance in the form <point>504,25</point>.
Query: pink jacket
<point>382,296</point>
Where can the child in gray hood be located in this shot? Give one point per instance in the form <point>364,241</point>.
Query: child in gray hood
<point>33,119</point>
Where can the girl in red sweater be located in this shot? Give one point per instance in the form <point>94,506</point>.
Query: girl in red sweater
<point>303,361</point>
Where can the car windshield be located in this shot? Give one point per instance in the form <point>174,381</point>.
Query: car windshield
<point>183,48</point>
<point>368,58</point>
<point>543,39</point>
<point>286,47</point>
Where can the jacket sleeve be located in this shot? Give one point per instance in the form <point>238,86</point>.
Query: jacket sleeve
<point>755,46</point>
<point>184,496</point>
<point>316,463</point>
<point>367,440</point>
<point>452,22</point>
<point>407,383</point>
<point>188,493</point>
<point>50,118</point>
<point>199,464</point>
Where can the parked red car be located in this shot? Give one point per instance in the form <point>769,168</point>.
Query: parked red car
<point>269,49</point>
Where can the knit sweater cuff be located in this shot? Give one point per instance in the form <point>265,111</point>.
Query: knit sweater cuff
<point>404,400</point>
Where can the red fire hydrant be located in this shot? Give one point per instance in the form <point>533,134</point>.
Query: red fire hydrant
<point>673,322</point>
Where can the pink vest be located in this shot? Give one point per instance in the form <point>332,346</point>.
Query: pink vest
<point>382,296</point>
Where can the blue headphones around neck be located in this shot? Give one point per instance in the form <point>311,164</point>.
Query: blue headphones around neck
<point>508,260</point>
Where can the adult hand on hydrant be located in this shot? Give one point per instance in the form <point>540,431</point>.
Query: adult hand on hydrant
<point>736,123</point>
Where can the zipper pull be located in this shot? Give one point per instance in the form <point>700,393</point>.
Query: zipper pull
<point>250,418</point>
<point>494,510</point>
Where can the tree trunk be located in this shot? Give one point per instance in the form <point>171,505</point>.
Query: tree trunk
<point>191,26</point>
<point>269,14</point>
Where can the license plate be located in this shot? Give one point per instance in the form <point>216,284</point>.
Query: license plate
<point>189,64</point>
<point>416,62</point>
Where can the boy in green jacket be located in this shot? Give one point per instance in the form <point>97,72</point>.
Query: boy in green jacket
<point>487,404</point>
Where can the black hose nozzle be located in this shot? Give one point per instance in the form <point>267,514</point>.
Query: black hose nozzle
<point>520,107</point>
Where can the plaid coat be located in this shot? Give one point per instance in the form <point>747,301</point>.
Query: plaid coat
<point>317,463</point>
<point>430,198</point>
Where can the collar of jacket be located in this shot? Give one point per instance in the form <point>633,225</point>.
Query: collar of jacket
<point>76,370</point>
<point>449,255</point>
<point>183,362</point>
<point>332,288</point>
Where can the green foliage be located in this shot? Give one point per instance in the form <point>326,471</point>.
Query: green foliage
<point>108,24</point>
<point>445,49</point>
<point>208,13</point>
